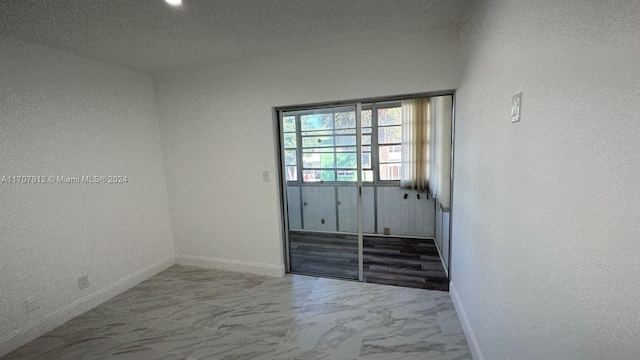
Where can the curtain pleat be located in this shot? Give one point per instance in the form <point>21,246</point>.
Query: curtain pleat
<point>441,157</point>
<point>416,132</point>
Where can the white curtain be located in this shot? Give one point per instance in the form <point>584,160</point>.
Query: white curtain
<point>433,151</point>
<point>416,133</point>
<point>440,181</point>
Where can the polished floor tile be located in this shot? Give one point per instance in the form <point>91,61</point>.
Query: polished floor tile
<point>150,305</point>
<point>330,291</point>
<point>270,326</point>
<point>338,314</point>
<point>174,337</point>
<point>459,351</point>
<point>138,352</point>
<point>223,346</point>
<point>203,314</point>
<point>54,339</point>
<point>289,352</point>
<point>190,313</point>
<point>83,347</point>
<point>336,340</point>
<point>296,284</point>
<point>405,330</point>
<point>124,326</point>
<point>273,302</point>
<point>388,350</point>
<point>18,356</point>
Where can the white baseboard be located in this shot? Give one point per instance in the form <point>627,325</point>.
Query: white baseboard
<point>59,317</point>
<point>444,265</point>
<point>466,326</point>
<point>231,265</point>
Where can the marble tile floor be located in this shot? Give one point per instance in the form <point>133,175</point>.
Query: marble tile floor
<point>203,314</point>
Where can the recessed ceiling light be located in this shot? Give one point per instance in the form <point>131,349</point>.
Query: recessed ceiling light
<point>174,2</point>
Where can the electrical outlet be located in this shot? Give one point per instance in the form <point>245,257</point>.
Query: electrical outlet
<point>387,231</point>
<point>83,282</point>
<point>265,176</point>
<point>30,305</point>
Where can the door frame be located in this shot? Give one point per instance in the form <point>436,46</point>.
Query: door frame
<point>278,135</point>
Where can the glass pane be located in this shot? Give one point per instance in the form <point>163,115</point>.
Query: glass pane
<point>292,173</point>
<point>318,160</point>
<point>290,157</point>
<point>319,132</point>
<point>366,130</point>
<point>366,148</point>
<point>365,120</point>
<point>390,134</point>
<point>317,141</point>
<point>345,140</point>
<point>346,132</point>
<point>366,139</point>
<point>367,175</point>
<point>329,154</point>
<point>316,150</point>
<point>345,120</point>
<point>311,175</point>
<point>347,161</point>
<point>328,175</point>
<point>289,124</point>
<point>316,122</point>
<point>289,141</point>
<point>318,175</point>
<point>391,116</point>
<point>366,160</point>
<point>347,175</point>
<point>346,149</point>
<point>390,153</point>
<point>389,171</point>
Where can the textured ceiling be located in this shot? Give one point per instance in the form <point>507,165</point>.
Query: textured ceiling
<point>150,36</point>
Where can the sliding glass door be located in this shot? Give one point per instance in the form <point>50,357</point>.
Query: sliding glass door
<point>322,158</point>
<point>372,172</point>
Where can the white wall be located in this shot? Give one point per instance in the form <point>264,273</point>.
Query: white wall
<point>545,211</point>
<point>218,137</point>
<point>321,205</point>
<point>410,216</point>
<point>64,115</point>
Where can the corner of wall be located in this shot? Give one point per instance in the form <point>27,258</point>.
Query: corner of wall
<point>154,80</point>
<point>232,265</point>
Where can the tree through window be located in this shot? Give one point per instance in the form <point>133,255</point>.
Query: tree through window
<point>320,144</point>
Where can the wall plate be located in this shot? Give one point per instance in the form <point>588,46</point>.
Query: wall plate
<point>83,282</point>
<point>516,105</point>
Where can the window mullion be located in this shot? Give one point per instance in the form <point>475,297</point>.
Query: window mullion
<point>299,148</point>
<point>375,166</point>
<point>335,149</point>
